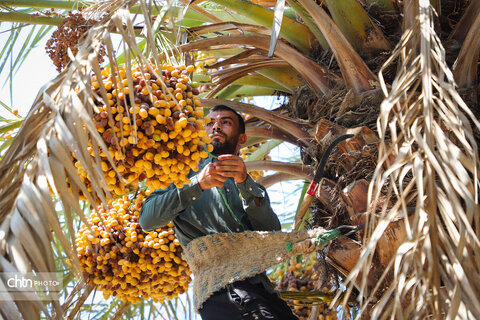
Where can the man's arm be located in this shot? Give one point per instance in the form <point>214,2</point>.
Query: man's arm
<point>162,206</point>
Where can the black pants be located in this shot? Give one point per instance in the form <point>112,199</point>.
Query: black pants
<point>245,301</point>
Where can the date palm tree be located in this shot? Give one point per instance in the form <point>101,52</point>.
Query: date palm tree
<point>407,71</point>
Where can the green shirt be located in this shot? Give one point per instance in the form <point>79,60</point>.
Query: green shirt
<point>196,212</point>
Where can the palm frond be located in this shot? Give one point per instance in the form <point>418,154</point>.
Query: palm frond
<point>465,68</point>
<point>227,76</point>
<point>429,175</point>
<point>272,179</point>
<point>266,82</point>
<point>357,27</point>
<point>293,31</point>
<point>309,22</point>
<point>464,25</point>
<point>297,169</point>
<point>356,73</point>
<point>317,76</point>
<point>260,133</point>
<point>261,152</point>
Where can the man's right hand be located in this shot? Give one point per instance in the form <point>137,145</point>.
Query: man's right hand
<point>209,177</point>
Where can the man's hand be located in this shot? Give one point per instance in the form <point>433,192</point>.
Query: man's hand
<point>210,177</point>
<point>216,173</point>
<point>232,166</point>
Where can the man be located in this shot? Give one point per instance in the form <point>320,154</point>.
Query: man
<point>211,204</point>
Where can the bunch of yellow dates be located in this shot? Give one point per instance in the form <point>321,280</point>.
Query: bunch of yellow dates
<point>152,124</point>
<point>124,261</point>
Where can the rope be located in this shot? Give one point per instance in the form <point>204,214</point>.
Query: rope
<point>324,238</point>
<point>230,209</point>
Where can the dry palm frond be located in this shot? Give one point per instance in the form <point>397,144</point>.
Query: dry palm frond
<point>430,168</point>
<point>272,179</point>
<point>466,74</point>
<point>297,169</point>
<point>121,310</point>
<point>39,160</point>
<point>464,25</point>
<point>88,288</point>
<point>270,132</point>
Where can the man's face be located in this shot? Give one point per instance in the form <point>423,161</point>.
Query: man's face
<point>225,130</point>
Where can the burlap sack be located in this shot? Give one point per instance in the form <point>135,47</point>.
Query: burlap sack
<point>219,259</point>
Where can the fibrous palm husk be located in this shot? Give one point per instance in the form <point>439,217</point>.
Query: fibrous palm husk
<point>430,166</point>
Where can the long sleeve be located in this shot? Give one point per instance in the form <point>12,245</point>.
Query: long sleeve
<point>261,216</point>
<point>162,206</point>
<point>196,213</point>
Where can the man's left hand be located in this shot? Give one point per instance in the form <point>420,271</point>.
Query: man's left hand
<point>229,165</point>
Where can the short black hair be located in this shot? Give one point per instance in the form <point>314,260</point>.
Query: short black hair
<point>241,122</point>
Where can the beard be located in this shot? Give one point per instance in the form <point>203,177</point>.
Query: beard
<point>229,146</point>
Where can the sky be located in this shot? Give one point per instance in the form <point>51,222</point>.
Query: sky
<point>36,71</point>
